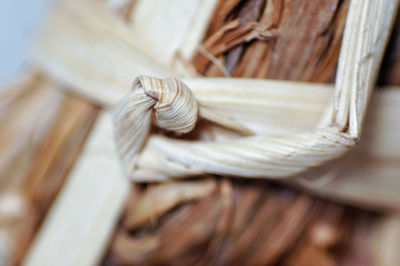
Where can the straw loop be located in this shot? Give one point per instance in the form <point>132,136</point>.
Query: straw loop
<point>175,106</point>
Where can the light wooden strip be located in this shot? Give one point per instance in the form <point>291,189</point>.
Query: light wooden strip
<point>101,53</point>
<point>187,23</point>
<point>98,55</point>
<point>80,222</point>
<point>368,27</point>
<point>362,181</point>
<point>386,241</point>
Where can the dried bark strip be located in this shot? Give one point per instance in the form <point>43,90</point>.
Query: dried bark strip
<point>302,39</point>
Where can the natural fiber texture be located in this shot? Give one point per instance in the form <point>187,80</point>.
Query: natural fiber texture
<point>298,47</point>
<point>335,235</point>
<point>176,110</point>
<point>284,156</point>
<point>211,221</point>
<point>274,157</point>
<point>175,107</point>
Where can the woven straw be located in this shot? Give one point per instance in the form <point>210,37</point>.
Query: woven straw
<point>300,140</point>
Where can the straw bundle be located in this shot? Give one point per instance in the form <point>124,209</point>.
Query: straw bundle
<point>247,128</point>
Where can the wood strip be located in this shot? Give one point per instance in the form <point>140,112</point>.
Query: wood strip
<point>43,134</point>
<point>78,227</point>
<point>366,34</point>
<point>187,22</point>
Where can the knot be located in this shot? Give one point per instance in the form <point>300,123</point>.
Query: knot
<point>176,107</point>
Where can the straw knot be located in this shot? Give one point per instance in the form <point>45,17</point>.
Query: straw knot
<point>176,107</point>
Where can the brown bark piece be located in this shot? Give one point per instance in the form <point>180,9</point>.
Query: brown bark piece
<point>300,40</point>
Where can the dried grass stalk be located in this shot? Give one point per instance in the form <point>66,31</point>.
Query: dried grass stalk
<point>187,24</point>
<point>82,241</point>
<point>159,199</point>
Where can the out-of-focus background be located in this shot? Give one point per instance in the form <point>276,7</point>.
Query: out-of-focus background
<point>19,21</point>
